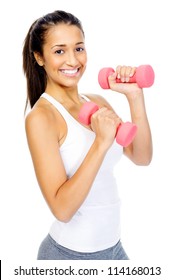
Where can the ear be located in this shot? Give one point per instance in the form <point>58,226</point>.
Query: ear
<point>38,58</point>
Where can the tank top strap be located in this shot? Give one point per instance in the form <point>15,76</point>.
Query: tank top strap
<point>67,116</point>
<point>85,97</point>
<point>56,104</point>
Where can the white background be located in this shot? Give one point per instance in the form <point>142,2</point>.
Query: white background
<point>117,32</point>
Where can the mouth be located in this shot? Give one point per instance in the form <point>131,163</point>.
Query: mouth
<point>70,72</point>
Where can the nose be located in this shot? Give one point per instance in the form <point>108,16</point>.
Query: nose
<point>71,59</point>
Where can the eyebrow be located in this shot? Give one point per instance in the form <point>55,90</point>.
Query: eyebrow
<point>64,45</point>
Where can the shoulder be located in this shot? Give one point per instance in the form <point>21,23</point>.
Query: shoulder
<point>40,118</point>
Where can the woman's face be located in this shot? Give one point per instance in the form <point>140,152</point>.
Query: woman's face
<point>64,55</point>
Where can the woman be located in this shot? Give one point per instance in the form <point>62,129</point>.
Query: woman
<point>74,163</point>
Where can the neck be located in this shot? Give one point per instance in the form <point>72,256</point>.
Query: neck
<point>64,95</point>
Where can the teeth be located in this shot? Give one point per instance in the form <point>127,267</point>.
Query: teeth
<point>70,72</point>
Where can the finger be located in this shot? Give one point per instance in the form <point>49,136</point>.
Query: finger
<point>99,112</point>
<point>111,115</point>
<point>117,121</point>
<point>106,114</point>
<point>118,71</point>
<point>121,70</point>
<point>132,71</point>
<point>125,72</point>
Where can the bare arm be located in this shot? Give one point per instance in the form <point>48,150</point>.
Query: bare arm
<point>65,195</point>
<point>140,151</point>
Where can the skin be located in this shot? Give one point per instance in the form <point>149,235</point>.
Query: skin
<point>46,129</point>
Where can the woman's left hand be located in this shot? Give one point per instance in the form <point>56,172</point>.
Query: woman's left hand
<point>124,73</point>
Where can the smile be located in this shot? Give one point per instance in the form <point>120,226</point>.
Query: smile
<point>70,72</point>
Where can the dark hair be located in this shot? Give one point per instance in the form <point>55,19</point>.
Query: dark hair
<point>35,75</point>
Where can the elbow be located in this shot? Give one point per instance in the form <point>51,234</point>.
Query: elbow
<point>147,162</point>
<point>61,210</point>
<point>62,216</point>
<point>143,161</point>
<point>143,157</point>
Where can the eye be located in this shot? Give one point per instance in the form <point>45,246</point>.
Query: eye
<point>59,51</point>
<point>80,49</point>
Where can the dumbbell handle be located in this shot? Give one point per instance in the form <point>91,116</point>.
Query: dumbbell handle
<point>144,77</point>
<point>125,132</point>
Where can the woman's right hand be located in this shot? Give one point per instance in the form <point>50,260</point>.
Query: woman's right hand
<point>105,123</point>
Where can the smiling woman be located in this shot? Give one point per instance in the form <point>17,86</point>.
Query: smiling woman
<point>74,164</point>
<point>61,49</point>
<point>64,55</point>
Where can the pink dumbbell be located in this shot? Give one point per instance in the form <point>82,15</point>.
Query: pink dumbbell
<point>125,132</point>
<point>144,77</point>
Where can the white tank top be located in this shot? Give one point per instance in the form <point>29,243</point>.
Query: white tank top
<point>96,224</point>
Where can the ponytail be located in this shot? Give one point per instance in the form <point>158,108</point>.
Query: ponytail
<point>35,74</point>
